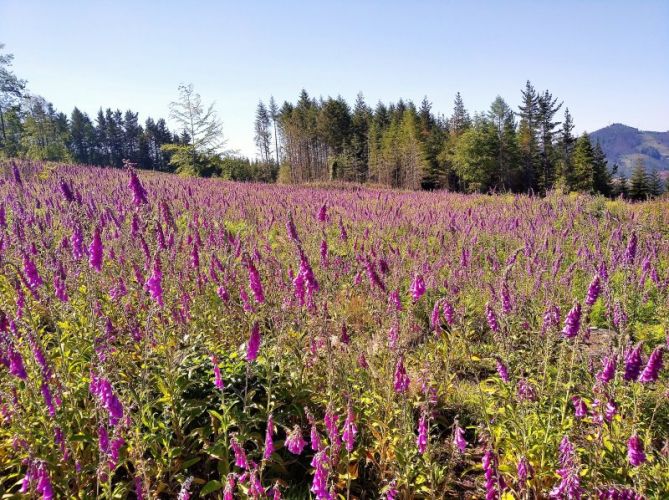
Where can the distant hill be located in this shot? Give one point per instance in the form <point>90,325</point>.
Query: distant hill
<point>623,145</point>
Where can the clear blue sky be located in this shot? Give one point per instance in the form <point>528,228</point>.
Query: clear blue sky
<point>608,60</point>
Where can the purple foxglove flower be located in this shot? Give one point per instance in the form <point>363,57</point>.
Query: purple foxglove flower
<point>16,367</point>
<point>401,379</point>
<point>269,433</point>
<point>459,439</point>
<point>184,493</point>
<point>391,492</point>
<point>48,400</point>
<point>608,369</point>
<point>66,190</point>
<point>77,242</point>
<point>255,283</point>
<point>502,371</point>
<point>115,451</point>
<point>394,300</point>
<point>611,410</point>
<point>344,338</point>
<point>572,323</point>
<point>44,486</point>
<point>138,191</point>
<point>421,441</point>
<point>228,492</point>
<point>449,312</point>
<point>253,345</point>
<point>256,489</point>
<point>373,276</point>
<point>434,319</point>
<point>417,288</point>
<point>594,290</point>
<point>96,251</point>
<point>632,363</point>
<point>16,174</point>
<point>155,283</point>
<point>319,485</point>
<point>491,317</point>
<point>630,251</point>
<point>653,367</point>
<point>331,419</point>
<point>295,442</point>
<point>60,289</point>
<point>103,439</point>
<point>580,408</point>
<point>240,455</point>
<point>218,381</point>
<point>323,214</point>
<point>315,438</point>
<point>139,488</point>
<point>507,306</point>
<point>30,270</point>
<point>635,453</point>
<point>246,303</point>
<point>292,231</point>
<point>324,252</point>
<point>524,470</point>
<point>526,391</point>
<point>616,493</point>
<point>619,316</point>
<point>349,430</point>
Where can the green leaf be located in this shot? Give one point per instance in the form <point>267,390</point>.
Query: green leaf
<point>210,487</point>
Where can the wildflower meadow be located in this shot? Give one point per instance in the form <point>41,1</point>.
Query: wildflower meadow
<point>165,337</point>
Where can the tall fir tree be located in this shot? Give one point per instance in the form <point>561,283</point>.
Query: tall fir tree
<point>548,107</point>
<point>583,178</point>
<point>528,129</point>
<point>639,188</point>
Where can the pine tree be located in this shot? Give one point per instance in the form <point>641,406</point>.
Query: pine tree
<point>583,178</point>
<point>566,148</point>
<point>460,120</point>
<point>527,136</point>
<point>602,177</point>
<point>11,90</point>
<point>360,123</point>
<point>638,184</point>
<point>503,126</point>
<point>548,107</point>
<point>655,184</point>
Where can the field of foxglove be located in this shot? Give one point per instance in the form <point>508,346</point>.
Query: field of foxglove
<point>164,337</point>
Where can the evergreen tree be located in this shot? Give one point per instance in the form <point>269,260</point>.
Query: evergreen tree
<point>460,120</point>
<point>547,107</point>
<point>528,129</point>
<point>566,148</point>
<point>360,123</point>
<point>503,127</point>
<point>583,178</point>
<point>274,115</point>
<point>639,186</point>
<point>132,133</point>
<point>602,177</point>
<point>82,137</point>
<point>655,184</point>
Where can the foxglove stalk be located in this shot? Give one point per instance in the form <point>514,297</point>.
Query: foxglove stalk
<point>632,363</point>
<point>502,371</point>
<point>401,379</point>
<point>608,370</point>
<point>253,345</point>
<point>350,430</point>
<point>491,317</point>
<point>155,283</point>
<point>653,367</point>
<point>635,453</point>
<point>32,276</point>
<point>572,323</point>
<point>218,381</point>
<point>269,433</point>
<point>255,283</point>
<point>96,251</point>
<point>295,443</point>
<point>459,439</point>
<point>138,191</point>
<point>417,288</point>
<point>422,439</point>
<point>594,290</point>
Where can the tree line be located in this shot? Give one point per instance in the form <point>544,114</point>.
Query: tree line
<point>402,145</point>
